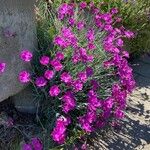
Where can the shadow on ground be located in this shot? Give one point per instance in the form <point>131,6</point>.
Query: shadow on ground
<point>133,135</point>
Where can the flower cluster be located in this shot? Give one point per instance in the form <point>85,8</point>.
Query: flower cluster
<point>59,133</point>
<point>88,50</point>
<point>34,144</point>
<point>2,67</point>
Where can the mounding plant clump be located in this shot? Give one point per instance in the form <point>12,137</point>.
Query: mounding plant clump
<point>82,82</point>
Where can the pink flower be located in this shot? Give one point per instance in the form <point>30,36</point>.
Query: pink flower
<point>80,25</point>
<point>89,71</point>
<point>82,76</point>
<point>77,85</point>
<point>91,116</point>
<point>108,104</point>
<point>56,65</point>
<point>91,46</point>
<point>26,55</point>
<point>37,144</point>
<point>108,27</point>
<point>64,10</point>
<point>119,114</point>
<point>119,42</point>
<point>59,132</point>
<point>60,41</point>
<point>71,21</point>
<point>54,91</point>
<point>49,74</point>
<point>90,35</point>
<point>26,147</point>
<point>59,55</point>
<point>95,84</point>
<point>93,101</point>
<point>24,77</point>
<point>114,11</point>
<point>91,4</point>
<point>40,81</point>
<point>75,58</point>
<point>44,60</point>
<point>2,67</point>
<point>69,102</point>
<point>83,5</point>
<point>66,77</point>
<point>125,54</point>
<point>129,34</point>
<point>85,125</point>
<point>84,146</point>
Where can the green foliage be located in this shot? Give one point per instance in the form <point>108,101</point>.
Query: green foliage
<point>135,16</point>
<point>48,27</point>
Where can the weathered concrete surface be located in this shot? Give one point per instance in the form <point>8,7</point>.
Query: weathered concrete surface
<point>25,101</point>
<point>17,31</point>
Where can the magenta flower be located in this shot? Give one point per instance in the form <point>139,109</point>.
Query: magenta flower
<point>75,58</point>
<point>64,10</point>
<point>129,34</point>
<point>71,21</point>
<point>26,55</point>
<point>60,41</point>
<point>108,27</point>
<point>67,33</point>
<point>2,67</point>
<point>66,77</point>
<point>44,60</point>
<point>108,104</point>
<point>95,84</point>
<point>85,125</point>
<point>37,144</point>
<point>59,55</point>
<point>26,146</point>
<point>84,147</point>
<point>91,46</point>
<point>80,25</point>
<point>24,77</point>
<point>114,11</point>
<point>125,54</point>
<point>69,102</point>
<point>93,103</point>
<point>91,4</point>
<point>119,42</point>
<point>59,132</point>
<point>56,65</point>
<point>77,85</point>
<point>91,116</point>
<point>54,91</point>
<point>89,71</point>
<point>119,114</point>
<point>82,76</point>
<point>90,35</point>
<point>89,58</point>
<point>83,5</point>
<point>49,74</point>
<point>40,81</point>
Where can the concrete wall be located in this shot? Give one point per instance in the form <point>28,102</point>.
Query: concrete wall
<point>17,18</point>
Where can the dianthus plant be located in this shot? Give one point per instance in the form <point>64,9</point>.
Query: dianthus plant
<point>85,78</point>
